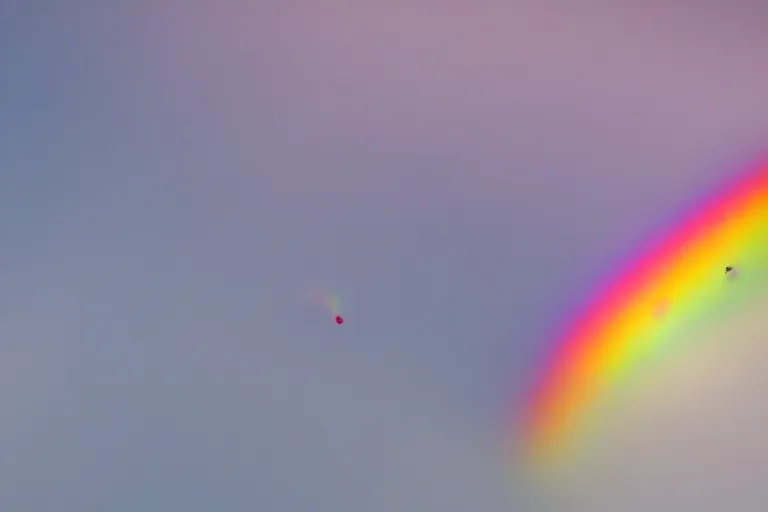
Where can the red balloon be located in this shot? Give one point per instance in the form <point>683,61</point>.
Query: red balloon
<point>339,320</point>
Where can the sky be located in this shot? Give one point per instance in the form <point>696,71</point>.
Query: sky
<point>174,176</point>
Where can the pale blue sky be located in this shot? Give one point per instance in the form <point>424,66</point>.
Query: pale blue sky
<point>174,175</point>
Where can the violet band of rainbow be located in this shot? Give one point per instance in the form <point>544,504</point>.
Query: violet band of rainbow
<point>656,306</point>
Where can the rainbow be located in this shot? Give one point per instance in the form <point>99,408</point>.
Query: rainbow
<point>327,300</point>
<point>656,306</point>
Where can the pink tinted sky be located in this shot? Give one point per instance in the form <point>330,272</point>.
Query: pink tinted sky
<point>521,98</point>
